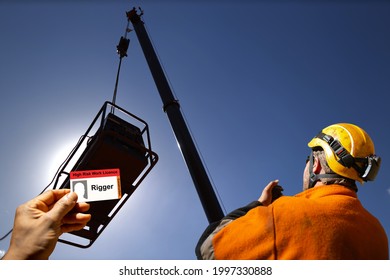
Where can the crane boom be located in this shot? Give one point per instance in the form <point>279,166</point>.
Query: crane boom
<point>171,107</point>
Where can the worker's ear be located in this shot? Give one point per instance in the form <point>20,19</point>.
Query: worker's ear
<point>316,166</point>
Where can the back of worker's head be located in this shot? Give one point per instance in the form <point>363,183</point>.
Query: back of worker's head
<point>349,152</point>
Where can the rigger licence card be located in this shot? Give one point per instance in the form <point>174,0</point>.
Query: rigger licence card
<point>96,185</point>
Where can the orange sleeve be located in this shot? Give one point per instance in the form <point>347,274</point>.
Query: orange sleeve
<point>248,237</point>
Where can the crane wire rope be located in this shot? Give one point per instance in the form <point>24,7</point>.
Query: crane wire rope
<point>122,51</point>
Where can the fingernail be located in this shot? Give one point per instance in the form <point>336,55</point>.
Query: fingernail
<point>71,197</point>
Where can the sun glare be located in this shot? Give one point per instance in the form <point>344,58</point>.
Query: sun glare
<point>58,157</point>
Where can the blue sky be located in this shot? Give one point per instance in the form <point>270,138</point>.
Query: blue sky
<point>256,80</point>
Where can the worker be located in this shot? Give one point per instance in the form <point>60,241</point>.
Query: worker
<point>39,223</point>
<point>325,221</point>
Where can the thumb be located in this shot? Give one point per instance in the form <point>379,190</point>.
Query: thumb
<point>63,206</point>
<point>271,185</point>
<point>266,195</point>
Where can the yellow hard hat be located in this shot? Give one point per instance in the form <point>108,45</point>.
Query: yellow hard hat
<point>349,151</point>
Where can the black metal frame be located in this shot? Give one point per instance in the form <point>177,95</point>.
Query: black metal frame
<point>151,156</point>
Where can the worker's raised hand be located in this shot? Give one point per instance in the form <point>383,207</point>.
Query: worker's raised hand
<point>271,192</point>
<point>40,222</point>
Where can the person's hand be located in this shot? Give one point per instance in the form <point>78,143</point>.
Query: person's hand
<point>40,222</point>
<point>271,192</point>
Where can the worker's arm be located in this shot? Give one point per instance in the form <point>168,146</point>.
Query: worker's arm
<point>204,248</point>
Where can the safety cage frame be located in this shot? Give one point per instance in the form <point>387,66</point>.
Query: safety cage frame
<point>116,143</point>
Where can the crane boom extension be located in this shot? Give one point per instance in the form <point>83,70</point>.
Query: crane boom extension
<point>171,106</point>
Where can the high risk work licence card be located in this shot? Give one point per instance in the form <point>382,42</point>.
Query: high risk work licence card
<point>96,185</point>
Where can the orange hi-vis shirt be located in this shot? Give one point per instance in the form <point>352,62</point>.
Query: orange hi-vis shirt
<point>325,222</point>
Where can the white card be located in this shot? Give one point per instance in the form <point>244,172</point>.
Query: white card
<point>96,185</point>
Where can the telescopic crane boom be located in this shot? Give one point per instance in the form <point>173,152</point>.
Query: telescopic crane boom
<point>171,107</point>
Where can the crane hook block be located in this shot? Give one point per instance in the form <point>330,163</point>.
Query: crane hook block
<point>122,47</point>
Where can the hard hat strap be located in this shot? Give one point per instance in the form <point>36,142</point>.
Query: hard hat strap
<point>371,163</point>
<point>345,158</point>
<point>313,178</point>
